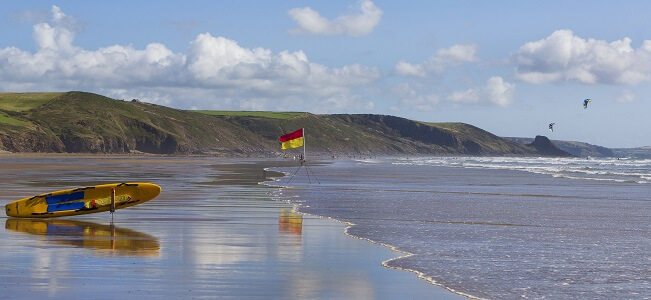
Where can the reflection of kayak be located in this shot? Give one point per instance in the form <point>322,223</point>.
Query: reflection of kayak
<point>86,200</point>
<point>89,235</point>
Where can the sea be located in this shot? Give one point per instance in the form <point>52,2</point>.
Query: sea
<point>494,227</point>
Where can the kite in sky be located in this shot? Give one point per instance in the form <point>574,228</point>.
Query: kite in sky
<point>551,127</point>
<point>585,103</point>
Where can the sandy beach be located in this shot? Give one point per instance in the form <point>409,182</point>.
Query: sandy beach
<point>214,232</point>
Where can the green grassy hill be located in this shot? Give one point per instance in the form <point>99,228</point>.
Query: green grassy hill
<point>25,101</point>
<point>82,122</point>
<point>85,122</point>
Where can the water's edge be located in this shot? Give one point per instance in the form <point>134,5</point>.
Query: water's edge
<point>349,225</point>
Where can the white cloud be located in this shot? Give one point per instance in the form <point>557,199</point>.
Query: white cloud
<point>419,92</point>
<point>57,14</point>
<point>457,54</point>
<point>469,96</point>
<point>57,38</point>
<point>439,62</point>
<point>499,91</point>
<point>415,97</point>
<point>563,56</point>
<point>404,68</point>
<point>359,21</point>
<point>211,66</point>
<point>496,91</point>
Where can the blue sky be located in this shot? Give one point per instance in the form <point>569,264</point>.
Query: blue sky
<point>509,67</point>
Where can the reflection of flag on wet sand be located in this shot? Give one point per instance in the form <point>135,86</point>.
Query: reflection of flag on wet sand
<point>290,222</point>
<point>292,140</point>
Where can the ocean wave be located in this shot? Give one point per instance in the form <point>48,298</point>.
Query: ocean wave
<point>598,169</point>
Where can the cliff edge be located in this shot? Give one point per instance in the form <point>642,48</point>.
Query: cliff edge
<point>546,148</point>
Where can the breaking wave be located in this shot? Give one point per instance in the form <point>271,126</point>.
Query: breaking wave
<point>600,169</point>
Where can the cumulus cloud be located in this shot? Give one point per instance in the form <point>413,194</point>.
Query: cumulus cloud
<point>59,36</point>
<point>439,61</point>
<point>499,91</point>
<point>211,65</point>
<point>218,61</point>
<point>419,92</point>
<point>496,91</point>
<point>361,20</point>
<point>457,54</point>
<point>404,68</point>
<point>415,97</point>
<point>563,56</point>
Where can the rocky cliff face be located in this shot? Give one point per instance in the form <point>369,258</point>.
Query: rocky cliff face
<point>407,128</point>
<point>400,130</point>
<point>30,141</point>
<point>546,148</point>
<point>439,138</point>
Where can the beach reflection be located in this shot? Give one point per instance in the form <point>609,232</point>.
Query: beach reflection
<point>218,234</point>
<point>290,222</point>
<point>105,239</point>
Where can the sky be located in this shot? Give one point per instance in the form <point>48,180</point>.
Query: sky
<point>509,67</point>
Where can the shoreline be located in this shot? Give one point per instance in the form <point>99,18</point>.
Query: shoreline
<point>472,227</point>
<point>420,275</point>
<point>215,230</point>
<point>394,249</point>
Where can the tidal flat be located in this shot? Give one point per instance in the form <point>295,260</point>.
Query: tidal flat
<point>213,232</point>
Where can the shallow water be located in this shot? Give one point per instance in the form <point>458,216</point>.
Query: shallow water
<point>499,229</point>
<point>212,233</point>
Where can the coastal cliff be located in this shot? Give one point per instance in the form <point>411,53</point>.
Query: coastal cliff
<point>547,148</point>
<point>79,122</point>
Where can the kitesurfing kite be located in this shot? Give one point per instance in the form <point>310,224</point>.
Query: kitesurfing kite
<point>551,127</point>
<point>585,103</point>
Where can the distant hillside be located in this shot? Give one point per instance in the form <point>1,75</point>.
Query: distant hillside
<point>578,149</point>
<point>641,152</point>
<point>432,138</point>
<point>80,122</point>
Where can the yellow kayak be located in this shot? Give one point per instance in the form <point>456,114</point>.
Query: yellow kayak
<point>85,200</point>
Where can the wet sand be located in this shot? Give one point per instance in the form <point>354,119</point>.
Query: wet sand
<point>214,232</point>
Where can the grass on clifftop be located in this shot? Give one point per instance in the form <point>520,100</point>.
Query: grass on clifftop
<point>9,120</point>
<point>263,114</point>
<point>25,101</point>
<point>447,125</point>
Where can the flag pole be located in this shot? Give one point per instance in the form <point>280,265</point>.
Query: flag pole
<point>304,157</point>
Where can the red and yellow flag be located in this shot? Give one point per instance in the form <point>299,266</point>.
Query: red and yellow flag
<point>292,140</point>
